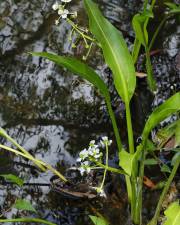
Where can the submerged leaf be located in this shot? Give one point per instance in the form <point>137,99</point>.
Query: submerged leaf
<point>13,178</point>
<point>22,204</point>
<point>115,51</point>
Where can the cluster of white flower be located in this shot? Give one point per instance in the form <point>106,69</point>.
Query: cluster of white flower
<point>62,12</point>
<point>93,152</point>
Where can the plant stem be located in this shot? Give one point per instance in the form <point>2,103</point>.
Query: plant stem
<point>136,49</point>
<point>138,208</point>
<point>164,192</point>
<point>27,220</point>
<point>114,124</point>
<point>166,17</point>
<point>129,129</point>
<point>114,170</point>
<point>84,36</point>
<point>105,171</point>
<point>131,182</point>
<point>150,78</point>
<point>5,135</point>
<point>137,43</point>
<point>36,161</point>
<point>157,32</point>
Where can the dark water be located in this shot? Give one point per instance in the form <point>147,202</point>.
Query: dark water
<point>53,114</point>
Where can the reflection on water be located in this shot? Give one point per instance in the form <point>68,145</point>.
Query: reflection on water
<point>53,114</point>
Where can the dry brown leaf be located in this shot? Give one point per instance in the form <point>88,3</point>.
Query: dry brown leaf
<point>149,183</point>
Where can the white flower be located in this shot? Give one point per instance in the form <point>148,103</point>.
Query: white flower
<point>83,154</point>
<point>55,6</point>
<point>63,13</point>
<point>98,155</point>
<point>92,143</point>
<point>84,167</point>
<point>82,171</point>
<point>105,141</point>
<point>56,22</point>
<point>93,150</point>
<point>86,163</point>
<point>66,1</point>
<point>102,194</point>
<point>88,170</point>
<point>75,14</point>
<point>100,191</point>
<point>105,138</point>
<point>78,159</point>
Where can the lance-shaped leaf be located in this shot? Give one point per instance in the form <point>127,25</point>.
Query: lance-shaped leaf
<point>115,51</point>
<point>77,67</point>
<point>139,23</point>
<point>169,107</point>
<point>89,74</point>
<point>166,133</point>
<point>177,134</point>
<point>173,7</point>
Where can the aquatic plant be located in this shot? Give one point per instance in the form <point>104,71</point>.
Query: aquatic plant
<point>132,158</point>
<point>119,59</point>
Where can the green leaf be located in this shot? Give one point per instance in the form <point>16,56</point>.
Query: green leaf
<point>87,73</point>
<point>78,68</point>
<point>173,7</point>
<point>13,178</point>
<point>175,158</point>
<point>150,146</point>
<point>169,107</point>
<point>98,220</point>
<point>128,161</point>
<point>165,169</point>
<point>173,214</point>
<point>164,134</point>
<point>151,162</point>
<point>22,204</point>
<point>5,135</point>
<point>115,51</point>
<point>177,134</point>
<point>27,220</point>
<point>139,25</point>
